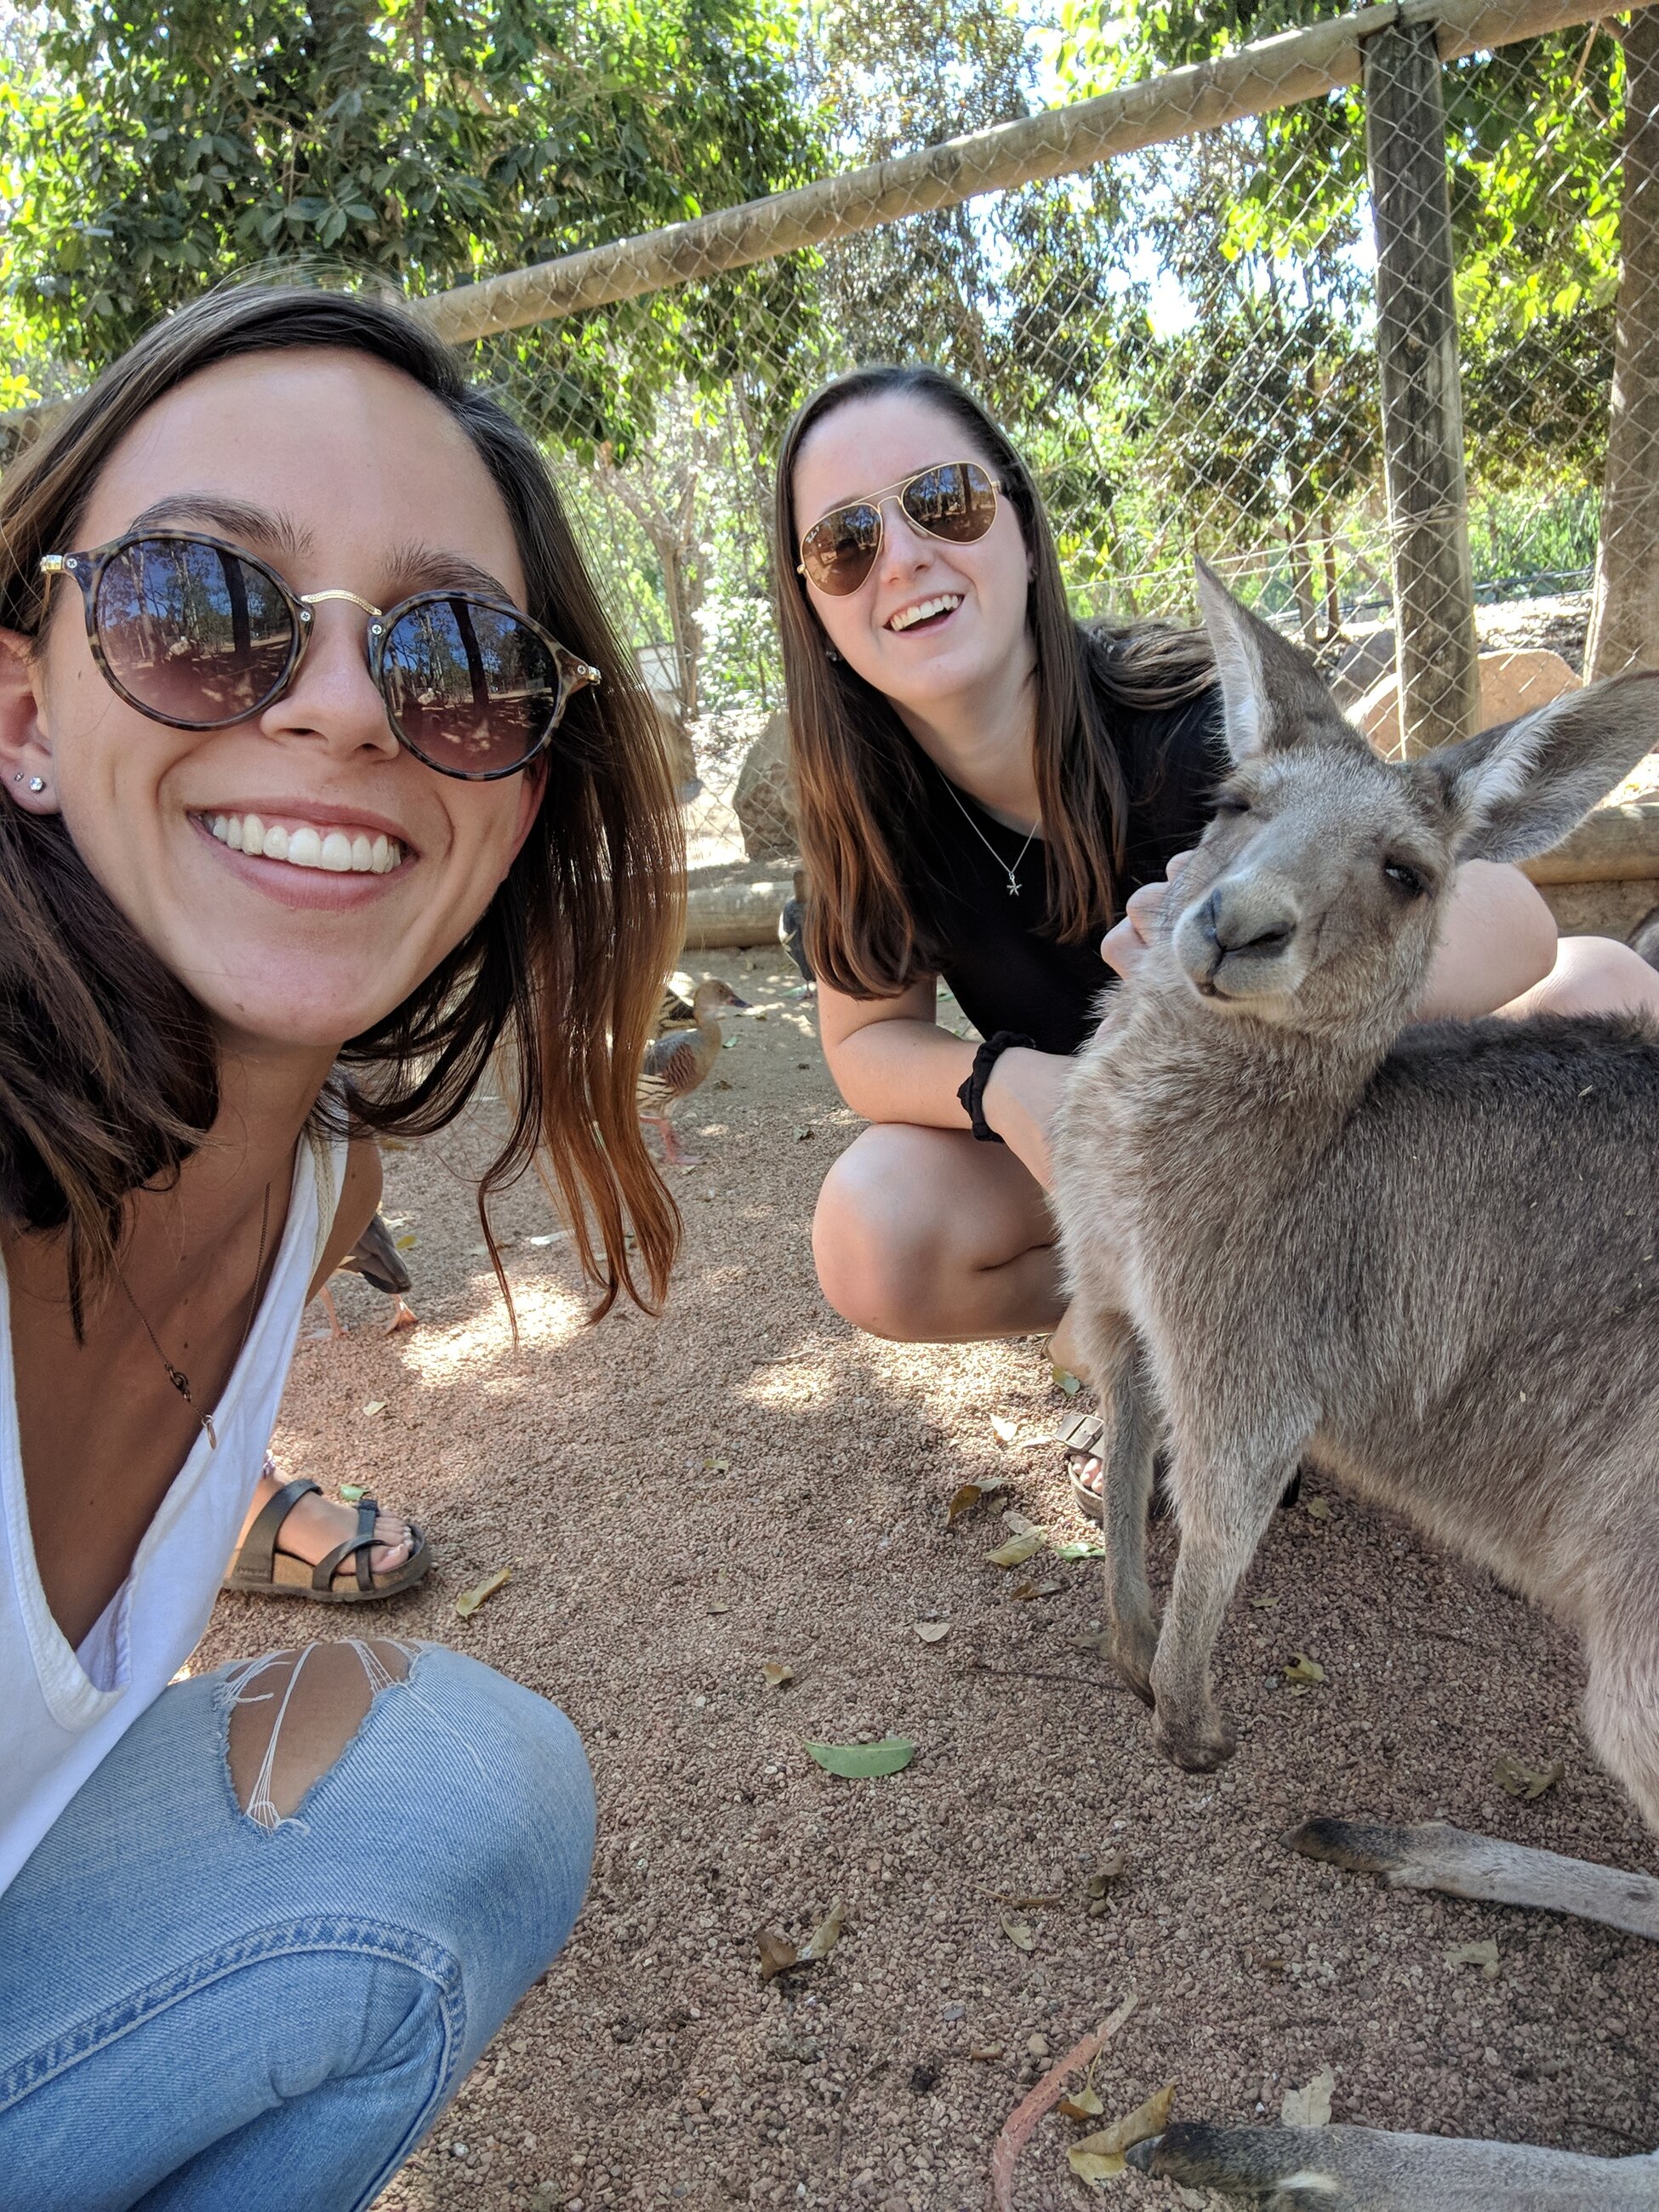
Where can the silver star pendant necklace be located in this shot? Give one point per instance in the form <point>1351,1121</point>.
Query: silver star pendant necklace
<point>1010,871</point>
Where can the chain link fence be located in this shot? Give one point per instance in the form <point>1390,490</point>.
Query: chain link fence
<point>1190,319</point>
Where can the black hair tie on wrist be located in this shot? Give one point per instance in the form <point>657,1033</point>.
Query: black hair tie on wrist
<point>972,1092</point>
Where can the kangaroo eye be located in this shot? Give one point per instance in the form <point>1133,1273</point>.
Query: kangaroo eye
<point>1228,805</point>
<point>1407,878</point>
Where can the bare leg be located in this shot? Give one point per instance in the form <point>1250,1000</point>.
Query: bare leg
<point>294,1713</point>
<point>926,1237</point>
<point>1224,1512</point>
<point>1592,975</point>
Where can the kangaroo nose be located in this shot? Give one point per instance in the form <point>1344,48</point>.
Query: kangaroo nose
<point>1239,918</point>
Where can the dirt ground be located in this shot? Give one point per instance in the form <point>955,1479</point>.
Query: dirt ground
<point>747,1480</point>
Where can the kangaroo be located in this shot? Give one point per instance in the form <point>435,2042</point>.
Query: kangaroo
<point>1428,1255</point>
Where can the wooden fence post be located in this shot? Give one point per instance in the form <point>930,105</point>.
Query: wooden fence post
<point>1422,402</point>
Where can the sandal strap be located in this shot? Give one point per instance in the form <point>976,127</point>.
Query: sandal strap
<point>363,1543</point>
<point>1084,1432</point>
<point>255,1561</point>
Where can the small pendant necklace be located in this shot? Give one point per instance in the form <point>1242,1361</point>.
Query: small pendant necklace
<point>1012,872</point>
<point>176,1376</point>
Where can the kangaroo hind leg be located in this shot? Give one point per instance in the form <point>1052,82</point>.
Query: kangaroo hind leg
<point>1123,1383</point>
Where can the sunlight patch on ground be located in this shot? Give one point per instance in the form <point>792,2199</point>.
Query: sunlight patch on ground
<point>549,1316</point>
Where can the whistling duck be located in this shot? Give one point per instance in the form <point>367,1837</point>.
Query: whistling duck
<point>675,1064</point>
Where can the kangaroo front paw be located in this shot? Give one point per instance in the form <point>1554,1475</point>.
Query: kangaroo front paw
<point>1133,1647</point>
<point>1201,1744</point>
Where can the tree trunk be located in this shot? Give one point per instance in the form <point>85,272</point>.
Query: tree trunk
<point>1332,599</point>
<point>1422,400</point>
<point>1296,538</point>
<point>1624,628</point>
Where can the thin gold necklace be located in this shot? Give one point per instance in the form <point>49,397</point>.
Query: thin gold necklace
<point>176,1376</point>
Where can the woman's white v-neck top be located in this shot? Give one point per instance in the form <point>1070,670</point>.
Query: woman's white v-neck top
<point>61,1710</point>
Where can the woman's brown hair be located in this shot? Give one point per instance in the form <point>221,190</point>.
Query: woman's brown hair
<point>108,1069</point>
<point>856,779</point>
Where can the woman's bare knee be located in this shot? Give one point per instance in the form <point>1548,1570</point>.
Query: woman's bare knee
<point>1594,975</point>
<point>294,1713</point>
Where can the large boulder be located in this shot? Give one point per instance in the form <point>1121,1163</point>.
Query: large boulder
<point>764,800</point>
<point>1511,684</point>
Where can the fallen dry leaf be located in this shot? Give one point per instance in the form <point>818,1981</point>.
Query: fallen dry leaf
<point>1483,1955</point>
<point>1300,1669</point>
<point>1264,1604</point>
<point>987,2051</point>
<point>1310,2106</point>
<point>776,1672</point>
<point>351,1491</point>
<point>717,1467</point>
<point>720,1602</point>
<point>1016,1552</point>
<point>1018,1933</point>
<point>825,1937</point>
<point>1317,1509</point>
<point>1067,1382</point>
<point>470,1600</point>
<point>1004,1431</point>
<point>1081,1547</point>
<point>374,1406</point>
<point>1099,2157</point>
<point>1085,2106</point>
<point>970,1495</point>
<point>1038,1590</point>
<point>1509,1772</point>
<point>932,1631</point>
<point>777,1953</point>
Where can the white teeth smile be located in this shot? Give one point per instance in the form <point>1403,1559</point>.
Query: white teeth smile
<point>340,852</point>
<point>906,616</point>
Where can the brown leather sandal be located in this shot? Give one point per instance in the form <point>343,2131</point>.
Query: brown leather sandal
<point>260,1567</point>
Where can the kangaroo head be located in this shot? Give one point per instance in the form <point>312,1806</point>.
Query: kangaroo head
<point>1315,898</point>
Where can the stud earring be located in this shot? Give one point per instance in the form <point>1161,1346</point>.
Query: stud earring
<point>829,653</point>
<point>37,783</point>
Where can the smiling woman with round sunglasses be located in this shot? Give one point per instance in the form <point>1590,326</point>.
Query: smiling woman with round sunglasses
<point>327,790</point>
<point>992,795</point>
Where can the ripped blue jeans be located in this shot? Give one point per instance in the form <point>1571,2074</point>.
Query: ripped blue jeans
<point>203,2006</point>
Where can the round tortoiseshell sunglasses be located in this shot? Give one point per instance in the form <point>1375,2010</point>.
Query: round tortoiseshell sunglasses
<point>199,634</point>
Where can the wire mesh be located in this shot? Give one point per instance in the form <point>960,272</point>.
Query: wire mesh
<point>1184,342</point>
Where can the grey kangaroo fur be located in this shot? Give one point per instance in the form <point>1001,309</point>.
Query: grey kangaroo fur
<point>1429,1255</point>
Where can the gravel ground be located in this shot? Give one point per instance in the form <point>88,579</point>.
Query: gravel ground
<point>747,1480</point>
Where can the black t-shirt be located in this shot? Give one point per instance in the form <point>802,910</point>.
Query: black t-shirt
<point>1003,964</point>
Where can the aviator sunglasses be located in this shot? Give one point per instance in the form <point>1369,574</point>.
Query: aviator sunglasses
<point>196,634</point>
<point>956,500</point>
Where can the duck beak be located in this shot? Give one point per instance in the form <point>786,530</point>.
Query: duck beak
<point>736,1001</point>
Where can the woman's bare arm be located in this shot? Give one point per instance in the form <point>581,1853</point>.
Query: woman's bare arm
<point>1498,939</point>
<point>892,1062</point>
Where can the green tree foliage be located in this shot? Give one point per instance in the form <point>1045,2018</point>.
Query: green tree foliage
<point>163,144</point>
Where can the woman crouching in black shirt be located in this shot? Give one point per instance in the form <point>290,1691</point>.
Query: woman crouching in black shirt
<point>986,787</point>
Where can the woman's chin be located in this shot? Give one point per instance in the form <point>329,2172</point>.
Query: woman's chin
<point>305,1014</point>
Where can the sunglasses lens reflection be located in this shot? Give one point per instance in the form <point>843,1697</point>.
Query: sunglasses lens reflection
<point>472,690</point>
<point>191,632</point>
<point>837,553</point>
<point>957,502</point>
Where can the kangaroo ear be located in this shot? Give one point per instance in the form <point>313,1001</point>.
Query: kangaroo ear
<point>1517,790</point>
<point>1271,692</point>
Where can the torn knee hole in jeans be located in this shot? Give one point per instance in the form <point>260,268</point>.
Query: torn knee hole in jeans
<point>292,1714</point>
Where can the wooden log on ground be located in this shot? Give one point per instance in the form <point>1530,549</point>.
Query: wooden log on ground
<point>736,911</point>
<point>1422,402</point>
<point>1615,844</point>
